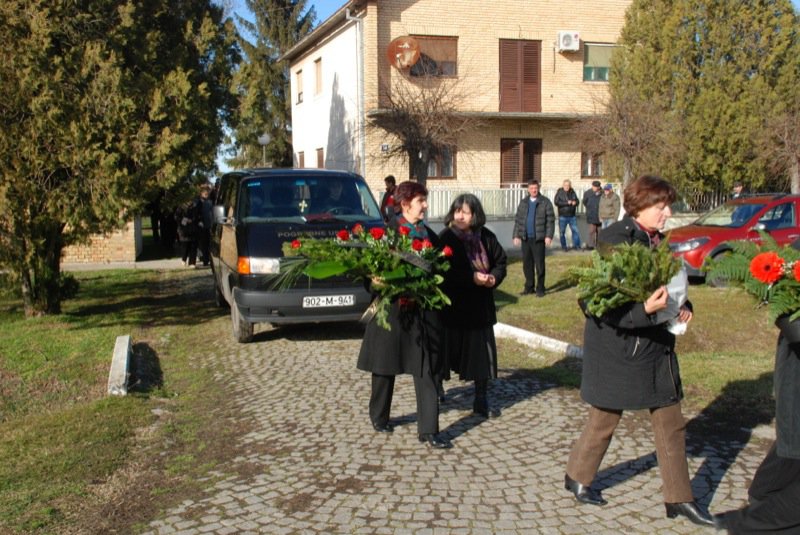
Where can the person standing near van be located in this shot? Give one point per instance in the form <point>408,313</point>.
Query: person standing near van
<point>566,200</point>
<point>389,207</point>
<point>591,202</point>
<point>534,226</point>
<point>412,345</point>
<point>609,206</point>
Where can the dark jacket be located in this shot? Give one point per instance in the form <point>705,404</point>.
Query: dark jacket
<point>544,224</point>
<point>629,361</point>
<point>561,200</point>
<point>591,201</point>
<point>414,339</point>
<point>787,398</point>
<point>188,218</point>
<point>472,306</point>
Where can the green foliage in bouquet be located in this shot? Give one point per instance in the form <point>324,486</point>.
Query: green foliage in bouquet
<point>395,265</point>
<point>625,273</point>
<point>766,270</point>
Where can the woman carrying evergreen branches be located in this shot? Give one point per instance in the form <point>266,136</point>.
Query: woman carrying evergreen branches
<point>629,363</point>
<point>477,267</point>
<point>412,346</point>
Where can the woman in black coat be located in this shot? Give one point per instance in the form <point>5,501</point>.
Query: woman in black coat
<point>412,346</point>
<point>477,267</point>
<point>775,492</point>
<point>629,363</point>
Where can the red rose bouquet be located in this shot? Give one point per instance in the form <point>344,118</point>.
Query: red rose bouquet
<point>396,265</point>
<point>766,270</point>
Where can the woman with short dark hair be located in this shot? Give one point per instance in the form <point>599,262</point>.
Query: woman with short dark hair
<point>477,267</point>
<point>629,363</point>
<point>412,346</point>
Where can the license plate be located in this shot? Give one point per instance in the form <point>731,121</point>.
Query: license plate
<point>312,301</point>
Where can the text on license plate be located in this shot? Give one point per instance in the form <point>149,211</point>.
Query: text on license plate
<point>312,301</point>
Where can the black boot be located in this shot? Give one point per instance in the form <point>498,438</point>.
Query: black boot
<point>481,404</point>
<point>690,510</point>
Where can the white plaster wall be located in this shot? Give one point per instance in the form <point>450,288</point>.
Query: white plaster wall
<point>329,119</point>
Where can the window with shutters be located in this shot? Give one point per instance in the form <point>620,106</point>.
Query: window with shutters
<point>591,164</point>
<point>440,166</point>
<point>520,161</point>
<point>437,56</point>
<point>320,158</point>
<point>299,84</point>
<point>520,75</point>
<point>317,76</point>
<point>596,62</point>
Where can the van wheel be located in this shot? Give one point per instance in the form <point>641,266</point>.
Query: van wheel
<point>219,298</point>
<point>242,329</point>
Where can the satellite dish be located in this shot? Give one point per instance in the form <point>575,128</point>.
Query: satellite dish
<point>403,52</point>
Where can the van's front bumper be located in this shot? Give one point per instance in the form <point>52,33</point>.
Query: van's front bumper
<point>286,306</point>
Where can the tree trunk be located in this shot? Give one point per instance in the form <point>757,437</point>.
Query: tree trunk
<point>41,272</point>
<point>627,172</point>
<point>794,176</point>
<point>419,165</point>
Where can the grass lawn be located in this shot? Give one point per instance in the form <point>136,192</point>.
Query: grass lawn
<point>64,443</point>
<point>726,356</point>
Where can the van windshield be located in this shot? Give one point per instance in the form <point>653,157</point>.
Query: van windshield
<point>306,199</point>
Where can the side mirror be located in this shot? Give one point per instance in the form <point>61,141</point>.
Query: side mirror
<point>759,226</point>
<point>218,213</point>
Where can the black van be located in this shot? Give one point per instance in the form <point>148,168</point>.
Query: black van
<point>255,212</point>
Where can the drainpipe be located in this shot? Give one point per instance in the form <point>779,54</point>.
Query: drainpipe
<point>362,140</point>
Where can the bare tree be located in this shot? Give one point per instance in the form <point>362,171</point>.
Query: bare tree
<point>779,146</point>
<point>634,129</point>
<point>426,115</point>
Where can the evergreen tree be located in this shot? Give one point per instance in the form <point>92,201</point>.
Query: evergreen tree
<point>262,82</point>
<point>103,102</point>
<point>714,67</point>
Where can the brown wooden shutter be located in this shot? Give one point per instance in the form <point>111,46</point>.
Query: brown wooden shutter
<point>320,158</point>
<point>509,75</point>
<point>531,76</point>
<point>510,156</point>
<point>532,160</point>
<point>520,75</point>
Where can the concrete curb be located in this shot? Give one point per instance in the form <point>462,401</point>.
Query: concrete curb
<point>537,341</point>
<point>120,362</point>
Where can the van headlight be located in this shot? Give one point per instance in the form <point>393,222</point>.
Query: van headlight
<point>689,245</point>
<point>258,266</point>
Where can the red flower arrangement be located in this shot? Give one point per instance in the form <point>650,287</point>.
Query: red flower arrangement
<point>767,271</point>
<point>398,266</point>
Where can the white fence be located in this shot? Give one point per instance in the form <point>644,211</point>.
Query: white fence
<point>497,202</point>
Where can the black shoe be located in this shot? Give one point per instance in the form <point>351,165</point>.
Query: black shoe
<point>690,510</point>
<point>539,294</point>
<point>583,493</point>
<point>526,292</point>
<point>481,406</point>
<point>436,441</point>
<point>383,428</point>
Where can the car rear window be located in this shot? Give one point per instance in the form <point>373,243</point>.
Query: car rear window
<point>306,199</point>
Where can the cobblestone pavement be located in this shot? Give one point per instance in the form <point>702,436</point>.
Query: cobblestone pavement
<point>314,465</point>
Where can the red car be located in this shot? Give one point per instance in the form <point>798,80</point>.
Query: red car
<point>738,219</point>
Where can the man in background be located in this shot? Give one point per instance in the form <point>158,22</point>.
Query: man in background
<point>591,201</point>
<point>389,208</point>
<point>566,200</point>
<point>609,206</point>
<point>534,226</point>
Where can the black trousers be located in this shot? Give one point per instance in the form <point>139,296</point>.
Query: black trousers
<point>533,265</point>
<point>380,401</point>
<point>774,496</point>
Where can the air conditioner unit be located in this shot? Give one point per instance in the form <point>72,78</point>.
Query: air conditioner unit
<point>568,41</point>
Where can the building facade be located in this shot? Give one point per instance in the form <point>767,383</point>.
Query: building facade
<point>525,71</point>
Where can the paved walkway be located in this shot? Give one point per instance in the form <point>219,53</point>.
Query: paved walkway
<point>312,463</point>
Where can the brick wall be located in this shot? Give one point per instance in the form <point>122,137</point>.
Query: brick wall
<point>119,246</point>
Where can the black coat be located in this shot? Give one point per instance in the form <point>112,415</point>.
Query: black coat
<point>591,202</point>
<point>544,222</point>
<point>561,200</point>
<point>629,361</point>
<point>787,398</point>
<point>472,306</point>
<point>413,341</point>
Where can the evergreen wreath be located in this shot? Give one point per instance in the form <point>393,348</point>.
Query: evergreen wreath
<point>766,270</point>
<point>624,273</point>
